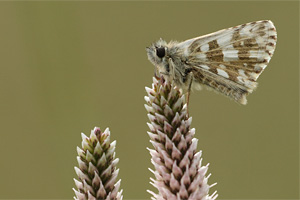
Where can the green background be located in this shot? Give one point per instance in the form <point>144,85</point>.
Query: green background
<point>69,66</point>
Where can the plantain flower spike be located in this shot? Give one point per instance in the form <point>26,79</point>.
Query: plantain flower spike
<point>178,169</point>
<point>97,172</point>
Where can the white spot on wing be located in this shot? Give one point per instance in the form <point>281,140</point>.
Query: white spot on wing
<point>240,79</point>
<point>242,72</point>
<point>260,40</point>
<point>230,46</point>
<point>204,47</point>
<point>250,84</point>
<point>221,72</point>
<point>254,75</point>
<point>230,55</point>
<point>222,66</point>
<point>259,66</point>
<point>224,40</point>
<point>204,66</point>
<point>253,54</point>
<point>260,55</point>
<point>269,48</point>
<point>246,30</point>
<point>201,56</point>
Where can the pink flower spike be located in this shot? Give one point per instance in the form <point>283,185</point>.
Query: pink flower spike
<point>178,171</point>
<point>97,170</point>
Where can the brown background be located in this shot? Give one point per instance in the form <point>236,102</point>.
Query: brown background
<point>69,66</point>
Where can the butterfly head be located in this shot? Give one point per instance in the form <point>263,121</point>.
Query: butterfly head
<point>157,52</point>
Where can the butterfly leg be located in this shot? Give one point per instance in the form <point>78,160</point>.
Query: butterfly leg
<point>156,72</point>
<point>190,78</point>
<point>171,70</point>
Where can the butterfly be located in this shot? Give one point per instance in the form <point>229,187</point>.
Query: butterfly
<point>228,61</point>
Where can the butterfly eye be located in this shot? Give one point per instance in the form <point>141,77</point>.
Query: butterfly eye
<point>160,52</point>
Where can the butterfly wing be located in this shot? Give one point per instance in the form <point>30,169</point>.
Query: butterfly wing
<point>231,60</point>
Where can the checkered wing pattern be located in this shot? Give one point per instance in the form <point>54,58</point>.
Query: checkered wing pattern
<point>230,61</point>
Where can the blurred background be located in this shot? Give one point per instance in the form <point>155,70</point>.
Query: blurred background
<point>67,67</point>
